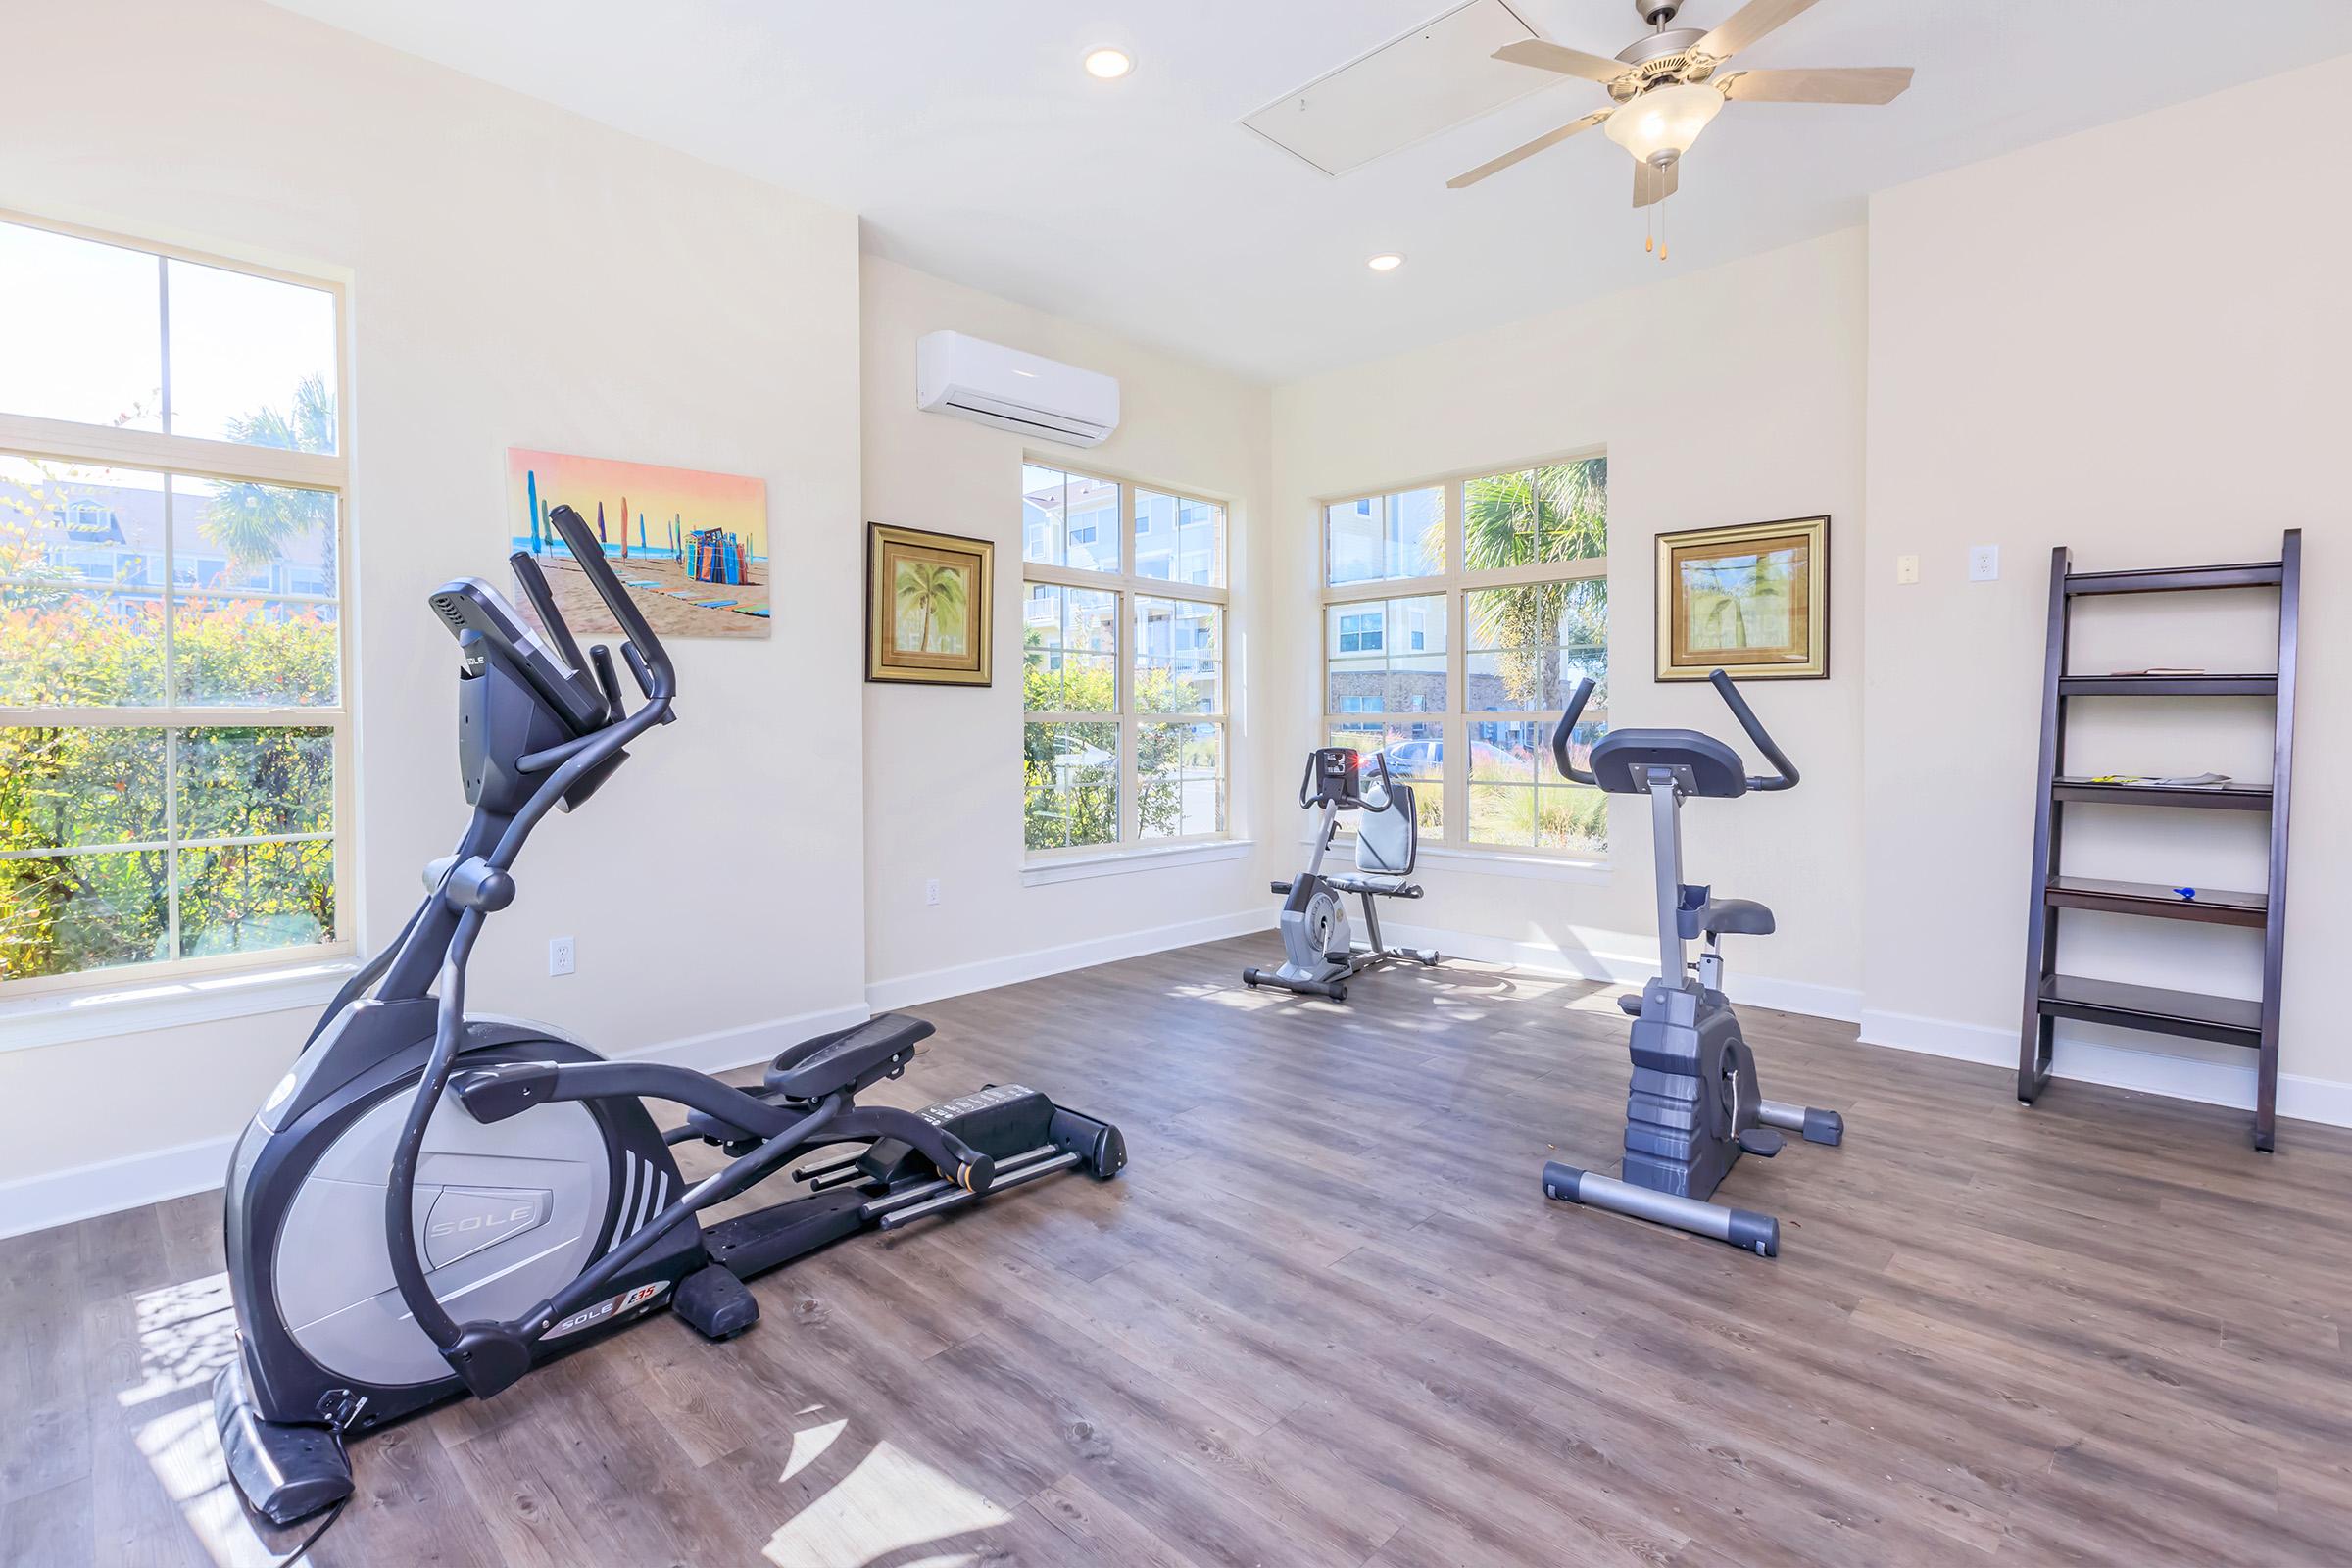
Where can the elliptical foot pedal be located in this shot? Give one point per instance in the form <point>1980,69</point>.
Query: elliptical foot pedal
<point>716,1303</point>
<point>287,1470</point>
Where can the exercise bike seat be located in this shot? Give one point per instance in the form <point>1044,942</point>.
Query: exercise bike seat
<point>847,1058</point>
<point>1387,887</point>
<point>1739,917</point>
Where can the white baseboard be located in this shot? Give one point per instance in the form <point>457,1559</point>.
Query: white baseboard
<point>84,1192</point>
<point>913,990</point>
<point>1758,991</point>
<point>2092,1061</point>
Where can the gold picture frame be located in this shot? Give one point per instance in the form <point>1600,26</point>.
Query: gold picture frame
<point>929,599</point>
<point>1753,600</point>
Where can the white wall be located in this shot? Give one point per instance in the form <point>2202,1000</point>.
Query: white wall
<point>2132,342</point>
<point>1726,395</point>
<point>517,275</point>
<point>943,764</point>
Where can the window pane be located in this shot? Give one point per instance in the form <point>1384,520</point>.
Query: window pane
<point>1181,773</point>
<point>84,786</point>
<point>1573,511</point>
<point>1041,513</point>
<point>1068,519</point>
<point>80,330</point>
<point>1155,535</point>
<point>1070,641</point>
<point>252,652</point>
<point>1504,815</point>
<point>1378,537</point>
<point>253,360</point>
<point>1416,642</point>
<point>1509,751</point>
<point>1179,656</point>
<point>1499,521</point>
<point>1200,543</point>
<point>81,563</point>
<point>256,896</point>
<point>1071,778</point>
<point>1571,816</point>
<point>65,913</point>
<point>259,538</point>
<point>251,783</point>
<point>1530,643</point>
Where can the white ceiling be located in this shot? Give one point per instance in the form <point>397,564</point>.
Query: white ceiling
<point>967,138</point>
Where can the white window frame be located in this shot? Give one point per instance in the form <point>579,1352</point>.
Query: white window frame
<point>1453,585</point>
<point>1125,587</point>
<point>164,453</point>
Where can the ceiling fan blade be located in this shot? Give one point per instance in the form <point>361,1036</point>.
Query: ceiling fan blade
<point>1653,184</point>
<point>1747,24</point>
<point>1550,139</point>
<point>1547,56</point>
<point>1828,85</point>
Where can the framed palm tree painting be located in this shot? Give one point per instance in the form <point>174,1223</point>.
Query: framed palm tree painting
<point>1753,599</point>
<point>927,598</point>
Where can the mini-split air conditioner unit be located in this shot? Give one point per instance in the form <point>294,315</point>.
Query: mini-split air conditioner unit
<point>1014,391</point>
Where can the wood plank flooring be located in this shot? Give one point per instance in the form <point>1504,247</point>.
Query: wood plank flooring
<point>1327,1320</point>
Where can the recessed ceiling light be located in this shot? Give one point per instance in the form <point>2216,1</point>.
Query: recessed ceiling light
<point>1385,261</point>
<point>1107,64</point>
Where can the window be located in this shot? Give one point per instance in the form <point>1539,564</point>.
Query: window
<point>175,739</point>
<point>1123,663</point>
<point>1465,716</point>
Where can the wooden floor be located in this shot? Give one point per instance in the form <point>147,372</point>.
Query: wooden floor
<point>1327,1320</point>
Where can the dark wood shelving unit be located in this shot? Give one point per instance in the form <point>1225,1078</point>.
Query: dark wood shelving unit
<point>2252,1022</point>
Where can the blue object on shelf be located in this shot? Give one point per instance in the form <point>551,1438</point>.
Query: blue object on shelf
<point>2187,894</point>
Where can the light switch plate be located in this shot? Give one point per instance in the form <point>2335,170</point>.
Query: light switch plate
<point>1906,568</point>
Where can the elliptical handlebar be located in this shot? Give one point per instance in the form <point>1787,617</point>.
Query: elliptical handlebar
<point>1786,774</point>
<point>1566,728</point>
<point>650,662</point>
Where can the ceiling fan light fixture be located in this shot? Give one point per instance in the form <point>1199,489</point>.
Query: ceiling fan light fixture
<point>1660,125</point>
<point>1106,63</point>
<point>1385,261</point>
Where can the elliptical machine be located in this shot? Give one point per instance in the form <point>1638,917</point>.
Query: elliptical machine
<point>435,1201</point>
<point>1321,951</point>
<point>1694,1106</point>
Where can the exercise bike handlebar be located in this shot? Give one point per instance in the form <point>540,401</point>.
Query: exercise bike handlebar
<point>1566,728</point>
<point>651,661</point>
<point>1784,774</point>
<point>1785,771</point>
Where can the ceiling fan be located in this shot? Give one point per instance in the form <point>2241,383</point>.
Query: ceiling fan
<point>1666,87</point>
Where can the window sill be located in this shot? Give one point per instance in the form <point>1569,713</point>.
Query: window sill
<point>1118,862</point>
<point>133,1008</point>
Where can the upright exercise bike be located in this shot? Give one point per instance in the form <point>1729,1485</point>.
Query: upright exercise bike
<point>1693,1107</point>
<point>1319,949</point>
<point>435,1201</point>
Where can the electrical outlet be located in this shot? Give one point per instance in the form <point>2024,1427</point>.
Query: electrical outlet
<point>1906,568</point>
<point>560,959</point>
<point>1984,563</point>
<point>931,891</point>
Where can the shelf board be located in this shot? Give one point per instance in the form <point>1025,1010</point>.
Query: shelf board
<point>2176,579</point>
<point>2247,685</point>
<point>2211,906</point>
<point>2208,797</point>
<point>2227,1021</point>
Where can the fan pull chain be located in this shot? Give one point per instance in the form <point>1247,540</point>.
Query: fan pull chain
<point>1661,231</point>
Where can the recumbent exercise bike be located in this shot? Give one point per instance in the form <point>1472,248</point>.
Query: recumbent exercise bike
<point>423,1164</point>
<point>1321,954</point>
<point>1693,1107</point>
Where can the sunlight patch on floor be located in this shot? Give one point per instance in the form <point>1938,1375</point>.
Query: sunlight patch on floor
<point>808,1446</point>
<point>892,1508</point>
<point>187,1332</point>
<point>184,1452</point>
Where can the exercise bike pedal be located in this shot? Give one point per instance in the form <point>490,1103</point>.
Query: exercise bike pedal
<point>716,1303</point>
<point>1762,1142</point>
